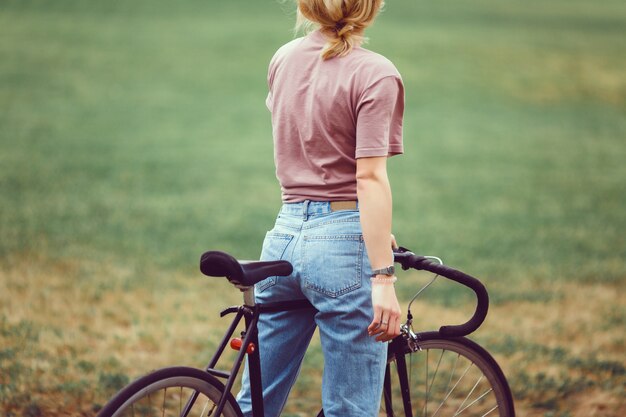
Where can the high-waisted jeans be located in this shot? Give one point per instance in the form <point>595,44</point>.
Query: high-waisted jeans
<point>330,269</point>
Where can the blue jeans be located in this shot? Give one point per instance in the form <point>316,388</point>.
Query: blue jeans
<point>331,270</point>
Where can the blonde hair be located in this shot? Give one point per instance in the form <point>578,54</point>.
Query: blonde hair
<point>341,21</point>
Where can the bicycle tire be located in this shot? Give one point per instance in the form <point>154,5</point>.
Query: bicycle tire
<point>448,377</point>
<point>169,389</point>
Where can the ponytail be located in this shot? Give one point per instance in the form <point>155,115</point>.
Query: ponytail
<point>341,21</point>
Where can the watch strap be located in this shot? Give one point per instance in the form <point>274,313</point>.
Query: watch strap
<point>389,271</point>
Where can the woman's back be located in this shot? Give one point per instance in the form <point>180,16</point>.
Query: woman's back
<point>327,113</point>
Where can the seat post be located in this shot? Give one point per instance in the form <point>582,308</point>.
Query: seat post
<point>248,296</point>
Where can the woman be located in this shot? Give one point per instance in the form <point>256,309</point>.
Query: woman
<point>336,116</point>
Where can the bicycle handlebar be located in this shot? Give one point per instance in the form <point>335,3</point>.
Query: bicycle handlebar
<point>408,259</point>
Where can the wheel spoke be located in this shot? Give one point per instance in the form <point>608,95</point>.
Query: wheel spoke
<point>453,388</point>
<point>204,408</point>
<point>456,361</point>
<point>163,408</point>
<point>210,413</point>
<point>469,394</point>
<point>429,387</point>
<point>489,412</point>
<point>474,402</point>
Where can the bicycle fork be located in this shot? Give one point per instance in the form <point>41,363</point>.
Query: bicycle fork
<point>397,349</point>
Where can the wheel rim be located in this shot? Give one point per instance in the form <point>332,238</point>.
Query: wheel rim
<point>169,397</point>
<point>448,379</point>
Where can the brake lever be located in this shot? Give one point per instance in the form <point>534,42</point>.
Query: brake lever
<point>410,336</point>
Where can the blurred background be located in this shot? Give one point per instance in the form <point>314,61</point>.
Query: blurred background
<point>134,136</point>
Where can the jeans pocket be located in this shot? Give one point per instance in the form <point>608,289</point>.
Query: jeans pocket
<point>333,263</point>
<point>274,247</point>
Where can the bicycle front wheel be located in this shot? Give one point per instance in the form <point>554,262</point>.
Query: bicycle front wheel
<point>176,391</point>
<point>448,377</point>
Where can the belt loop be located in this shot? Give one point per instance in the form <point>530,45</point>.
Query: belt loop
<point>305,210</point>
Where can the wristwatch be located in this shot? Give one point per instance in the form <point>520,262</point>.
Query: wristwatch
<point>389,271</point>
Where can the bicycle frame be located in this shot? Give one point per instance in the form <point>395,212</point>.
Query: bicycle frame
<point>250,312</point>
<point>400,352</point>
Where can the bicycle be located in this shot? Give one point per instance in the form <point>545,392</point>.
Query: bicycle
<point>459,377</point>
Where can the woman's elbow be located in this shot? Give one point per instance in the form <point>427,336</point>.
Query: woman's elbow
<point>371,169</point>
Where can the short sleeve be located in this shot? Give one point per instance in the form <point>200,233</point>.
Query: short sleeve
<point>379,119</point>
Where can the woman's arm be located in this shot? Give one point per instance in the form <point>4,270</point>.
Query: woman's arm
<point>374,194</point>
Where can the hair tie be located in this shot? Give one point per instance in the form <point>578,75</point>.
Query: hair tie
<point>342,30</point>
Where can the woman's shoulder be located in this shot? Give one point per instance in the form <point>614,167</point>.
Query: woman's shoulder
<point>373,62</point>
<point>289,46</point>
<point>286,49</point>
<point>370,67</point>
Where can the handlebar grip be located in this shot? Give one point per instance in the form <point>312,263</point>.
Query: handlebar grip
<point>409,260</point>
<point>481,295</point>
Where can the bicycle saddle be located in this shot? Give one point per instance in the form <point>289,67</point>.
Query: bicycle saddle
<point>241,273</point>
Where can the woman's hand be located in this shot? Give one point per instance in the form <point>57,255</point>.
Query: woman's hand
<point>386,323</point>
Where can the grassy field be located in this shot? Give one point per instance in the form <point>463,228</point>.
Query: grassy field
<point>133,137</point>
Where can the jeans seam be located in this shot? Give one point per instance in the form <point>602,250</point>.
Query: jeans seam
<point>327,222</point>
<point>296,228</point>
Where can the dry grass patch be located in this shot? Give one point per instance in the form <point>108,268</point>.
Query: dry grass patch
<point>71,334</point>
<point>565,354</point>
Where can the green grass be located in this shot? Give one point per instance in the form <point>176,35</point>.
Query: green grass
<point>138,132</point>
<point>134,136</point>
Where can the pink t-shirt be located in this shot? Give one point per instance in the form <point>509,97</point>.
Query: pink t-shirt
<point>326,114</point>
